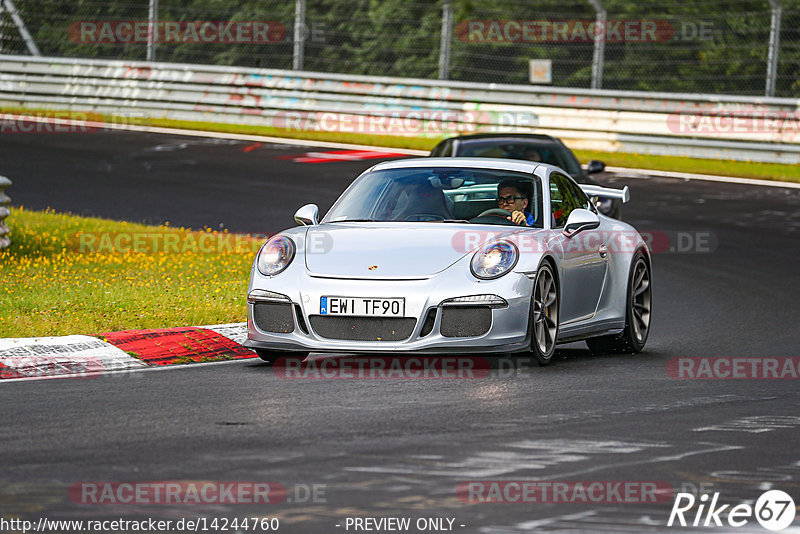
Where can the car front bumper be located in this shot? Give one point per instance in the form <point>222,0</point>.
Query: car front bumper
<point>507,331</point>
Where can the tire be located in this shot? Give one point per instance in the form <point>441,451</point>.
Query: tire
<point>271,356</point>
<point>638,311</point>
<point>543,323</point>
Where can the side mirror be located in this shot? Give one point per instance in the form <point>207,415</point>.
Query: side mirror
<point>308,215</point>
<point>580,220</point>
<point>595,166</point>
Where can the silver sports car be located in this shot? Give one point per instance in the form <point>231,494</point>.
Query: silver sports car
<point>417,256</point>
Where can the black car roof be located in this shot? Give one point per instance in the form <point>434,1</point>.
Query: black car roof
<point>510,136</point>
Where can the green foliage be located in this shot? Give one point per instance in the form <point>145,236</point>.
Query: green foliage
<point>717,46</point>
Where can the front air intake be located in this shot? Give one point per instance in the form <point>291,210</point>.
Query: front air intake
<point>273,317</point>
<point>465,321</point>
<point>430,320</point>
<point>363,328</point>
<point>300,321</point>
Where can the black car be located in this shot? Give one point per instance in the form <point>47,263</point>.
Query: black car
<point>530,147</point>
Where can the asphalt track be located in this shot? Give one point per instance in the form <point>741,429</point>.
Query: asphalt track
<point>401,447</point>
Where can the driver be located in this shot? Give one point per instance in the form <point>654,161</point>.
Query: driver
<point>531,154</point>
<point>511,198</point>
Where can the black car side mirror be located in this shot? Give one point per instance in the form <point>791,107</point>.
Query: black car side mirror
<point>595,166</point>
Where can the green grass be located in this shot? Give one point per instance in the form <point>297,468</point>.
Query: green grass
<point>65,274</point>
<point>743,169</point>
<point>392,141</point>
<point>740,169</point>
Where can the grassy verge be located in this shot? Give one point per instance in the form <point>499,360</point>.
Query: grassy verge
<point>391,141</point>
<point>743,169</point>
<point>65,274</point>
<point>740,169</point>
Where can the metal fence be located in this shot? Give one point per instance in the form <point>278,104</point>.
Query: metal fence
<point>745,47</point>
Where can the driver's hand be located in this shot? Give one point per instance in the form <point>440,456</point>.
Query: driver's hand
<point>517,217</point>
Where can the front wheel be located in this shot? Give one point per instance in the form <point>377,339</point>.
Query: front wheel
<point>637,314</point>
<point>271,356</point>
<point>543,325</point>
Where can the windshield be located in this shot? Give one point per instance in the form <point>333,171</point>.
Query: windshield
<point>435,195</point>
<point>551,153</point>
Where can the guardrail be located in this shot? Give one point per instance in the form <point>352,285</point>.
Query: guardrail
<point>707,126</point>
<point>5,240</point>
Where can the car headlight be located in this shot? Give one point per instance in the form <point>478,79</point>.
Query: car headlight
<point>275,255</point>
<point>494,260</point>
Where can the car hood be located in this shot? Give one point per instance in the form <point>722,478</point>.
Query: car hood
<point>392,250</point>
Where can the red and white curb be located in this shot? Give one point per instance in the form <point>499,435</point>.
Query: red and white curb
<point>81,356</point>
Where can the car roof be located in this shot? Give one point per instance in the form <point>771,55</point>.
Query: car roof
<point>511,136</point>
<point>467,163</point>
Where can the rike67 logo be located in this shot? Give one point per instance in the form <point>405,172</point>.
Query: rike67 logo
<point>774,510</point>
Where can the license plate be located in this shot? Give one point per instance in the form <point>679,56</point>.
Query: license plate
<point>365,307</point>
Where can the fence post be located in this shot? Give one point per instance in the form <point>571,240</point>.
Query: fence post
<point>152,30</point>
<point>599,44</point>
<point>299,34</point>
<point>23,30</point>
<point>2,24</point>
<point>4,202</point>
<point>446,42</point>
<point>774,43</point>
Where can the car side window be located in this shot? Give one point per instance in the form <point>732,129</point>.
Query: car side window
<point>565,197</point>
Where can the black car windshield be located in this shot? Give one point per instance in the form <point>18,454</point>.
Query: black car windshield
<point>543,152</point>
<point>436,195</point>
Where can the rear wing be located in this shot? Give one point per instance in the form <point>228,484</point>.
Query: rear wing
<point>623,194</point>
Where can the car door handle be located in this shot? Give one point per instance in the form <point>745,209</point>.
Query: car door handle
<point>603,250</point>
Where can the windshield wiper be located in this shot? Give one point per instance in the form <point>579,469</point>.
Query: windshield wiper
<point>356,220</point>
